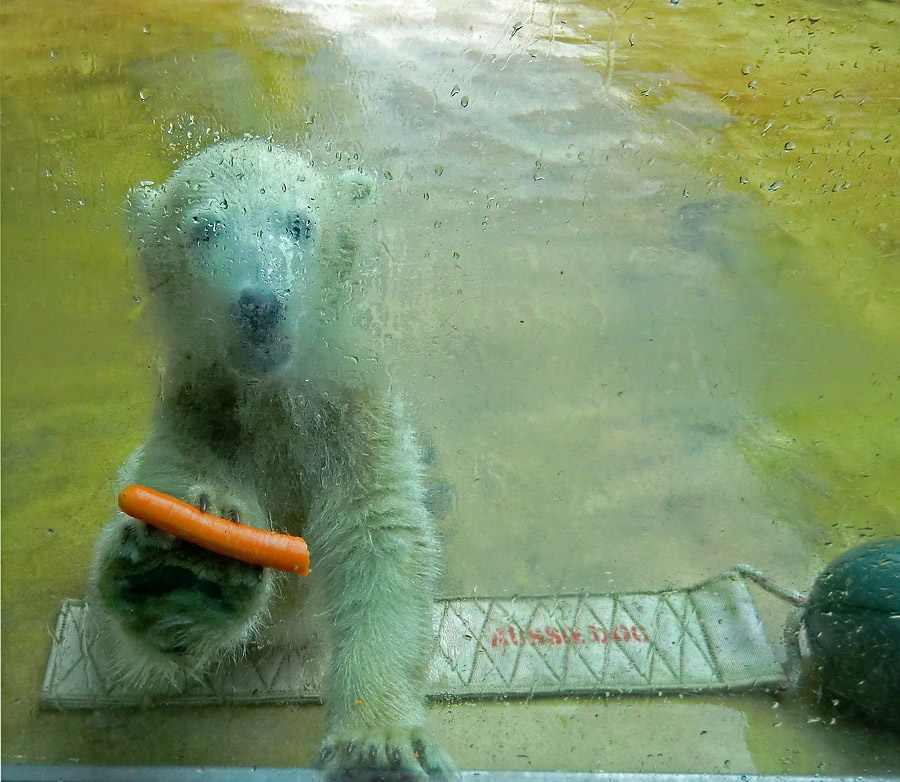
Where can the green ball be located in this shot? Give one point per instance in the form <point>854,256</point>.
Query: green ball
<point>853,627</point>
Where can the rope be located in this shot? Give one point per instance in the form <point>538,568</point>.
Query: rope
<point>793,666</point>
<point>761,579</point>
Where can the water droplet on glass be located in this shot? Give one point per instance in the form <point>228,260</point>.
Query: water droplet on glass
<point>745,70</point>
<point>464,101</point>
<point>775,185</point>
<point>455,91</point>
<point>439,170</point>
<point>743,180</point>
<point>789,146</point>
<point>146,30</point>
<point>388,176</point>
<point>53,54</point>
<point>142,95</point>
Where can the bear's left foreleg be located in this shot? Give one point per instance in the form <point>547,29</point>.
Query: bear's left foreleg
<point>376,558</point>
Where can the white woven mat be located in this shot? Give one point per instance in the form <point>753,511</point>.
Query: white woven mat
<point>706,637</point>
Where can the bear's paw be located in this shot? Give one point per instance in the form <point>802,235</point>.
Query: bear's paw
<point>375,755</point>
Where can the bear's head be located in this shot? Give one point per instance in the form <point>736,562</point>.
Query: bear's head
<point>245,246</point>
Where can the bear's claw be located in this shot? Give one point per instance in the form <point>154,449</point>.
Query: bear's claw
<point>203,499</point>
<point>383,759</point>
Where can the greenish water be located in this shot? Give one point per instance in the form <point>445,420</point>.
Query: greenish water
<point>641,281</point>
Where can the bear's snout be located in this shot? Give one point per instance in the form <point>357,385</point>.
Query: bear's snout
<point>260,312</point>
<point>261,343</point>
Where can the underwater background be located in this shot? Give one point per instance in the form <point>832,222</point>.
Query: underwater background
<point>641,288</point>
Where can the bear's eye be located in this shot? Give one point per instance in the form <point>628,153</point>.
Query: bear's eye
<point>300,228</point>
<point>205,228</point>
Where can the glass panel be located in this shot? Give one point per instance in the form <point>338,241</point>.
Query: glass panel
<point>636,276</point>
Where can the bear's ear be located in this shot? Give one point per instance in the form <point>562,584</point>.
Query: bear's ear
<point>357,186</point>
<point>140,205</point>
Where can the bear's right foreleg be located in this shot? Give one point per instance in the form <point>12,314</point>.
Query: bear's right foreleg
<point>172,606</point>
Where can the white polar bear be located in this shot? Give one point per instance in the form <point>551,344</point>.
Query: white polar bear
<point>273,412</point>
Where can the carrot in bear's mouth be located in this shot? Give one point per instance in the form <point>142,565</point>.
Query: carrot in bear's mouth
<point>229,538</point>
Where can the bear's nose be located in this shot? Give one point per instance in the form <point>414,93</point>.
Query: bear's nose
<point>260,311</point>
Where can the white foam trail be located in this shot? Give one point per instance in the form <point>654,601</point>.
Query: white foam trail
<point>494,28</point>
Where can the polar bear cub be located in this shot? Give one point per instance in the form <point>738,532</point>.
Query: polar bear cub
<point>275,412</point>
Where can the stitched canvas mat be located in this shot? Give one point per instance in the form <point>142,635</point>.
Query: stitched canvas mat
<point>703,638</point>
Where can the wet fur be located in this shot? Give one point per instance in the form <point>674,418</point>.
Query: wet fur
<point>275,412</point>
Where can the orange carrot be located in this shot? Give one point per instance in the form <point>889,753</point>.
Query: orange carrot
<point>239,541</point>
